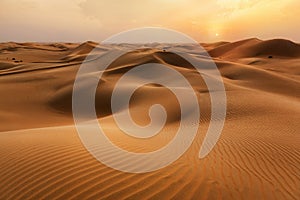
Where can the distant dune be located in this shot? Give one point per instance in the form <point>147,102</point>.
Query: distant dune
<point>256,48</point>
<point>257,156</point>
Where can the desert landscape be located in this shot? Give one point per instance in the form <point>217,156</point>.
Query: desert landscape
<point>257,156</point>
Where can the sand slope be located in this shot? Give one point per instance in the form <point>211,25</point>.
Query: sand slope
<point>257,157</point>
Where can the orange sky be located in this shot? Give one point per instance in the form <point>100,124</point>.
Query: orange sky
<point>205,21</point>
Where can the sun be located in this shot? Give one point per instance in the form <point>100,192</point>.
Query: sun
<point>217,34</point>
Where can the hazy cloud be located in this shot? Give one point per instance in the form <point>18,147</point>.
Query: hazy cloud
<point>80,20</point>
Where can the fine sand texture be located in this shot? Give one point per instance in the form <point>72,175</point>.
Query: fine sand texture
<point>256,157</point>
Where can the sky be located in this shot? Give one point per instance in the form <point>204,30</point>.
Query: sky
<point>96,20</point>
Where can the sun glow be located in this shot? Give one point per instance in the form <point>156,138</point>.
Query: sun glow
<point>230,2</point>
<point>235,4</point>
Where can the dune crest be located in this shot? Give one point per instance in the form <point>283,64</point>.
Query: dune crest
<point>257,48</point>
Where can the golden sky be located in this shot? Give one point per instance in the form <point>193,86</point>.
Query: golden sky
<point>203,20</point>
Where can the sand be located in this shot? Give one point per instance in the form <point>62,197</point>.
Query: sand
<point>257,156</point>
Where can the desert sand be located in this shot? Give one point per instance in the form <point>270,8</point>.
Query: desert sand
<point>257,156</point>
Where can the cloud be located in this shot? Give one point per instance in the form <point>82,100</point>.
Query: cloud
<point>116,11</point>
<point>97,19</point>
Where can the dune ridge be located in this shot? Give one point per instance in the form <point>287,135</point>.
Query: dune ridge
<point>257,156</point>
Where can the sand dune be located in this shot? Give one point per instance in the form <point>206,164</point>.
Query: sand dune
<point>257,48</point>
<point>257,156</point>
